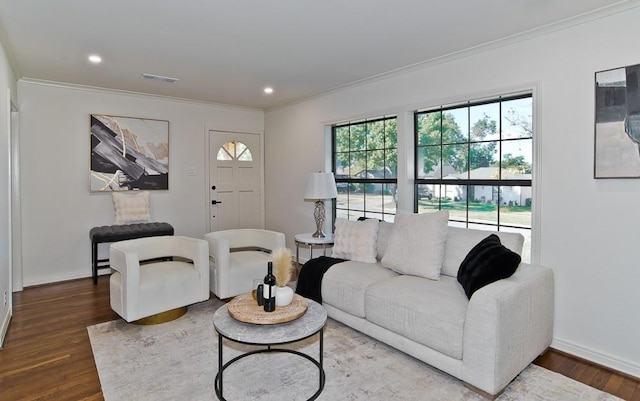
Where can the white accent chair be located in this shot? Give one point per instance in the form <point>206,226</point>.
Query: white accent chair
<point>238,257</point>
<point>142,290</point>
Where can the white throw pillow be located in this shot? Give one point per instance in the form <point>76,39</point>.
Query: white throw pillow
<point>384,234</point>
<point>131,207</point>
<point>356,240</point>
<point>416,246</point>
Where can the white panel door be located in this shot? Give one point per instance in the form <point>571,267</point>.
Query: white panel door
<point>234,180</point>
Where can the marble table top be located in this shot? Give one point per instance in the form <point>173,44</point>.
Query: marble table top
<point>306,325</point>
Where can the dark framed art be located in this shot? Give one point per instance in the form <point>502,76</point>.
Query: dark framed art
<point>128,153</point>
<point>617,123</point>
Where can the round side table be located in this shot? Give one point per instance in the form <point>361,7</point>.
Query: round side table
<point>311,241</point>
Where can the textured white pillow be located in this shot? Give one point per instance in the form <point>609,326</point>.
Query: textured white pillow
<point>384,234</point>
<point>416,246</point>
<point>131,207</point>
<point>356,240</point>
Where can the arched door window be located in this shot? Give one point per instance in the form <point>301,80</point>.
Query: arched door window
<point>234,151</point>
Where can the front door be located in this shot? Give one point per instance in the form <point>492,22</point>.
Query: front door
<point>234,180</point>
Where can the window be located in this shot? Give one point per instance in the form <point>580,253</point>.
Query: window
<point>476,161</point>
<point>365,164</point>
<point>234,151</point>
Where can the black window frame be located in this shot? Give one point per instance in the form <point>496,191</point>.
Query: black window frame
<point>469,182</point>
<point>359,182</point>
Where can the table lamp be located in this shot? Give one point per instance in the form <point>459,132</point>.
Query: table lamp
<point>320,186</point>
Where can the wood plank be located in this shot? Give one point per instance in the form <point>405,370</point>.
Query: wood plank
<point>613,384</point>
<point>600,380</point>
<point>636,393</point>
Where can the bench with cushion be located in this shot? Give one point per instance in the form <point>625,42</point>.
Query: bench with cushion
<point>114,233</point>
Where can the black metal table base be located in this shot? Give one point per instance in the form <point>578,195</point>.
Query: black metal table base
<point>221,367</point>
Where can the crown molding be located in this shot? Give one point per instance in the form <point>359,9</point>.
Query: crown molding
<point>88,88</point>
<point>603,12</point>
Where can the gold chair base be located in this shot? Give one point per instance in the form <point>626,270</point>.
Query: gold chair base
<point>162,317</point>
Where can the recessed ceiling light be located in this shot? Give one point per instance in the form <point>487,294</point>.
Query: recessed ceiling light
<point>268,90</point>
<point>94,58</point>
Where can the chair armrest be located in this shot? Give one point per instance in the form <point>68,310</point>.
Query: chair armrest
<point>250,237</point>
<point>508,324</point>
<point>219,251</point>
<point>198,251</point>
<point>270,240</point>
<point>125,259</point>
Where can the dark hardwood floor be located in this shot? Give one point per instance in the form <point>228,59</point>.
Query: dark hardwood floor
<point>47,354</point>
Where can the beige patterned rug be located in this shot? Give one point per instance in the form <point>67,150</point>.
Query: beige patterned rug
<point>178,361</point>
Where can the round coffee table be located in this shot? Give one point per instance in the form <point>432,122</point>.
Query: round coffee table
<point>270,335</point>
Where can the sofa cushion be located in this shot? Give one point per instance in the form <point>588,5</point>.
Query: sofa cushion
<point>461,240</point>
<point>417,242</point>
<point>355,240</point>
<point>344,284</point>
<point>429,312</point>
<point>487,262</point>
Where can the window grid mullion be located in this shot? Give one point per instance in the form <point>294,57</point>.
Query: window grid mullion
<point>468,164</point>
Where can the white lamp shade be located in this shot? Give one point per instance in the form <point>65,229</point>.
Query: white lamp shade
<point>320,186</point>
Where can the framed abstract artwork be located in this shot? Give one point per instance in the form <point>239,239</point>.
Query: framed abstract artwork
<point>617,123</point>
<point>128,153</point>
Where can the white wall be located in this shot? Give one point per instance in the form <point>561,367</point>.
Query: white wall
<point>590,243</point>
<point>57,208</point>
<point>7,89</point>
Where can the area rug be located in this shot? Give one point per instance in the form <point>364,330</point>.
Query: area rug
<point>178,361</point>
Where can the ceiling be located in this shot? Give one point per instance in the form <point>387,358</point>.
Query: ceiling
<point>228,51</point>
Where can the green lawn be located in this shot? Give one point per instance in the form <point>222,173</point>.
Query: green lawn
<point>519,216</point>
<point>482,212</point>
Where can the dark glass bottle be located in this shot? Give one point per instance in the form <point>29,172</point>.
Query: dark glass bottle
<point>269,289</point>
<point>260,294</point>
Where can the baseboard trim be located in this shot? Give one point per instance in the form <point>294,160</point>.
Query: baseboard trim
<point>598,358</point>
<point>50,279</point>
<point>5,326</point>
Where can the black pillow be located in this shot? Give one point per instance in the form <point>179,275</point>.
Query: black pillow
<point>487,262</point>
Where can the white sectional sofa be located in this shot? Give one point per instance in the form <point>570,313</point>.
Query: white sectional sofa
<point>485,341</point>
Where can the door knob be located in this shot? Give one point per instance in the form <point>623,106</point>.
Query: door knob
<point>215,202</point>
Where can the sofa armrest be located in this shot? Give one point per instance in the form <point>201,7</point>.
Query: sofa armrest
<point>508,324</point>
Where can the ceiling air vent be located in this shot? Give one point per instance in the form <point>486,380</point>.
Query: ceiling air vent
<point>159,78</point>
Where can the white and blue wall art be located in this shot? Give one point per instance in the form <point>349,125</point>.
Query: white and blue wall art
<point>129,153</point>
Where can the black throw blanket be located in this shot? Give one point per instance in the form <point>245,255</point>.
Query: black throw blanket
<point>310,278</point>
